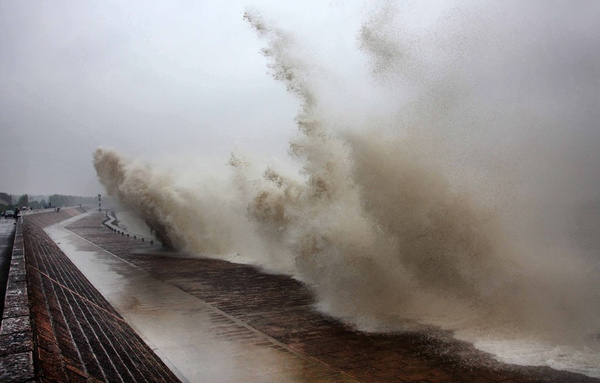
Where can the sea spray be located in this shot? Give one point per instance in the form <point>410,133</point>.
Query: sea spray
<point>375,229</point>
<point>382,227</point>
<point>201,210</point>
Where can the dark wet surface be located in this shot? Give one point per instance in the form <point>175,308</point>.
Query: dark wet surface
<point>200,342</point>
<point>77,334</point>
<point>217,321</point>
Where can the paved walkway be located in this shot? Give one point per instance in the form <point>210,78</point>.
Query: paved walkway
<point>276,312</point>
<point>78,335</point>
<point>200,342</point>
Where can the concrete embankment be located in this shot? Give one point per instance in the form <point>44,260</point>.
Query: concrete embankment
<point>59,327</point>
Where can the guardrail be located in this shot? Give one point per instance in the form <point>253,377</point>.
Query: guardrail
<point>109,222</point>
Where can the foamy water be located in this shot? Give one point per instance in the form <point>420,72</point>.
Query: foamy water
<point>440,212</point>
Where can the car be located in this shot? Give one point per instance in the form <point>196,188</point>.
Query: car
<point>9,214</point>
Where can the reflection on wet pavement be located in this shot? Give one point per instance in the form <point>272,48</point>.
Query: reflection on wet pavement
<point>198,341</point>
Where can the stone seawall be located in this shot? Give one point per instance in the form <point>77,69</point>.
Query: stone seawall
<point>16,337</point>
<point>57,327</point>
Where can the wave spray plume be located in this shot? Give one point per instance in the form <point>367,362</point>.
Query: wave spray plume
<point>387,229</point>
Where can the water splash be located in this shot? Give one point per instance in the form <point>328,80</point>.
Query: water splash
<point>434,224</point>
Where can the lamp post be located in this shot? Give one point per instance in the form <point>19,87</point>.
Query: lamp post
<point>99,202</point>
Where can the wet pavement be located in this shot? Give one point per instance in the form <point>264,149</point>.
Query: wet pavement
<point>211,320</point>
<point>76,335</point>
<point>198,341</point>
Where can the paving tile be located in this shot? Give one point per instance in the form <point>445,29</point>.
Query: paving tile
<point>51,365</point>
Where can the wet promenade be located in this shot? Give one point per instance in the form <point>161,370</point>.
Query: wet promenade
<point>105,307</point>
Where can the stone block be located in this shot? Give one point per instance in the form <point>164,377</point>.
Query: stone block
<point>14,325</point>
<point>16,343</point>
<point>15,300</point>
<point>15,311</point>
<point>16,367</point>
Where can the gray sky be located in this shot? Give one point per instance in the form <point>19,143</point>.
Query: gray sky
<point>149,78</point>
<point>166,78</point>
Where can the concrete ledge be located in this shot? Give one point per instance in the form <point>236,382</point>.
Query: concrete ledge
<point>16,337</point>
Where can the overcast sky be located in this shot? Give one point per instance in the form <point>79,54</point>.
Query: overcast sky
<point>159,78</point>
<point>149,78</point>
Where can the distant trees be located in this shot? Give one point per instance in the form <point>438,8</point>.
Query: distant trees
<point>69,200</point>
<point>39,202</point>
<point>23,200</point>
<point>6,197</point>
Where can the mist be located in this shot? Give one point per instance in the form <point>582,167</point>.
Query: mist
<point>451,181</point>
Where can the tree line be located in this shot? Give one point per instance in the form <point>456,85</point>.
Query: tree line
<point>41,202</point>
